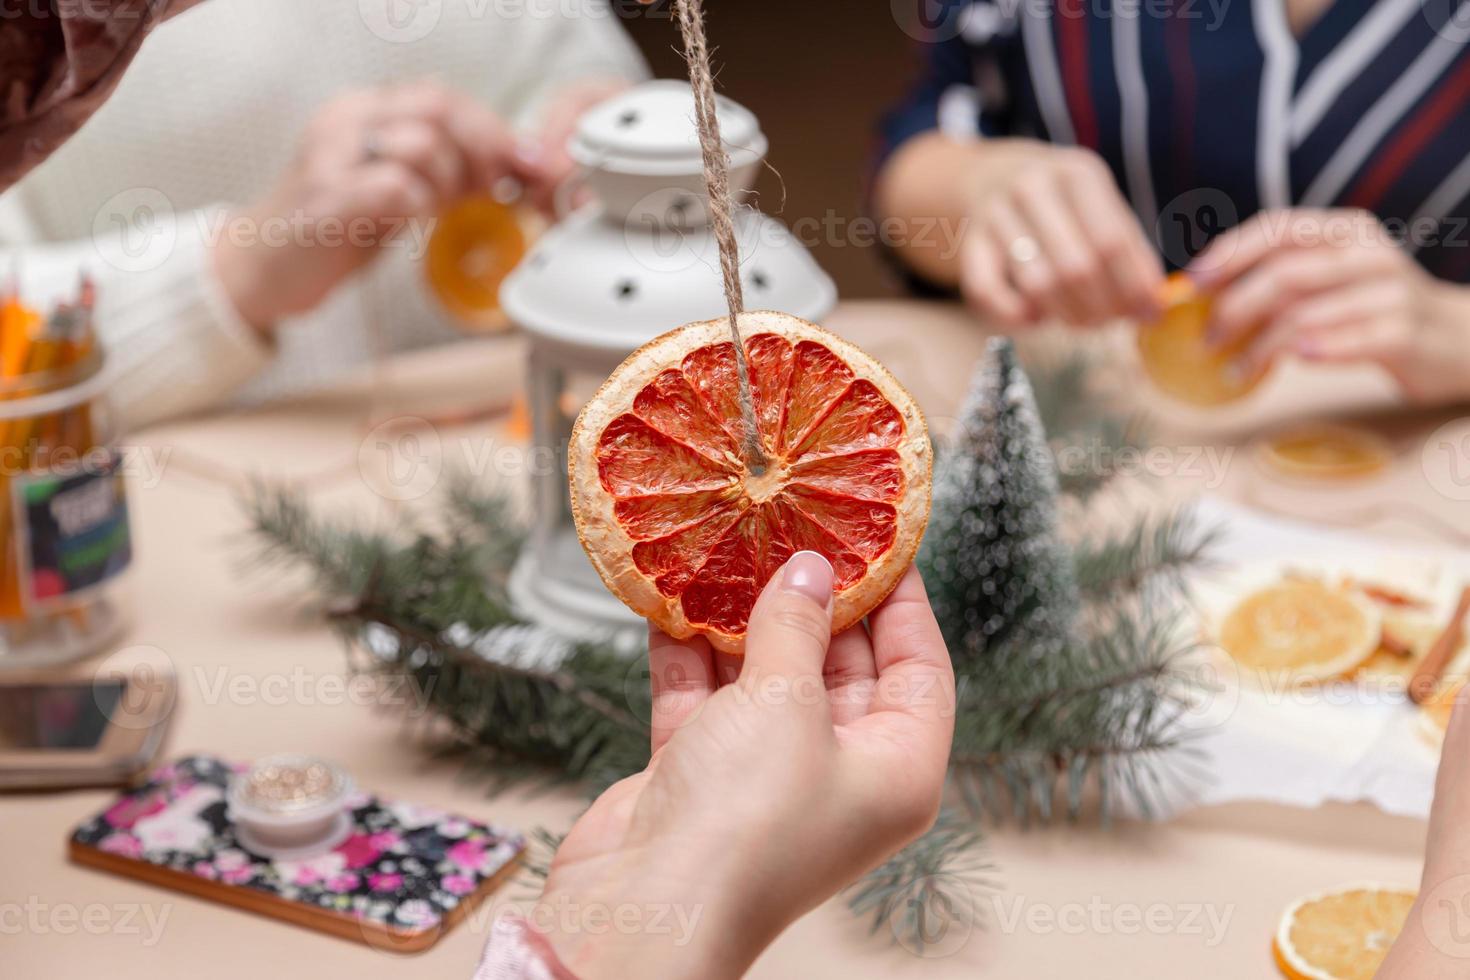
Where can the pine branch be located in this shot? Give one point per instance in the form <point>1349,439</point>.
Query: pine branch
<point>1101,705</point>
<point>928,886</point>
<point>432,611</point>
<point>1152,551</point>
<point>1083,431</point>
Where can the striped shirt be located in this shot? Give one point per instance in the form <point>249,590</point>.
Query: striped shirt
<point>1209,111</point>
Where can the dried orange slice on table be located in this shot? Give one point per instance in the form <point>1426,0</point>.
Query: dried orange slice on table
<point>687,534</point>
<point>1326,452</point>
<point>1341,935</point>
<point>1178,357</point>
<point>1300,630</point>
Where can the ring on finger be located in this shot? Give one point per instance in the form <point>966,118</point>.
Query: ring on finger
<point>372,147</point>
<point>1024,249</point>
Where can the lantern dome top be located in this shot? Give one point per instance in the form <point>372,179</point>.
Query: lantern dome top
<point>640,259</point>
<point>592,288</point>
<point>649,130</point>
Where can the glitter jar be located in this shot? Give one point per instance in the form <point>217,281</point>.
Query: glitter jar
<point>290,807</point>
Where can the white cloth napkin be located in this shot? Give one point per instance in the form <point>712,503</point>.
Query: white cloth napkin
<point>1341,742</point>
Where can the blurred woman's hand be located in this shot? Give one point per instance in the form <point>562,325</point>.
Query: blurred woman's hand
<point>1053,239</point>
<point>1334,286</point>
<point>370,163</point>
<point>774,782</point>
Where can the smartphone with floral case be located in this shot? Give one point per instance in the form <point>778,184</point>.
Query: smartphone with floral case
<point>404,875</point>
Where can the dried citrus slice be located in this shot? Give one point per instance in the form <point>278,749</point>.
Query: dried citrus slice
<point>1343,934</point>
<point>1300,630</point>
<point>687,535</point>
<point>1434,714</point>
<point>474,247</point>
<point>1326,452</point>
<point>1178,358</point>
<point>1405,639</point>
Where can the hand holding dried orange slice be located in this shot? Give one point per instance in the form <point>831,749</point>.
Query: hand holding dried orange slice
<point>1300,630</point>
<point>687,533</point>
<point>1178,357</point>
<point>1343,934</point>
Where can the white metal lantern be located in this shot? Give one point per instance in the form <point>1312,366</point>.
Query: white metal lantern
<point>616,273</point>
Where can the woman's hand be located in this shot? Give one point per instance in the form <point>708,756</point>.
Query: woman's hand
<point>1051,238</point>
<point>1435,941</point>
<point>1334,286</point>
<point>775,781</point>
<point>369,163</point>
<point>374,165</point>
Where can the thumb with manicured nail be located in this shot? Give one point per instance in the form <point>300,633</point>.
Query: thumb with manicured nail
<point>791,624</point>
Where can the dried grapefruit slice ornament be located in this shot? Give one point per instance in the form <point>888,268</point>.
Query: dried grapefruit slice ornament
<point>687,534</point>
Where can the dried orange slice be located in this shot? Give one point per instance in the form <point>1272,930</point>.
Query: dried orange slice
<point>1177,357</point>
<point>1326,452</point>
<point>1300,630</point>
<point>474,247</point>
<point>687,535</point>
<point>1434,714</point>
<point>1413,633</point>
<point>1343,934</point>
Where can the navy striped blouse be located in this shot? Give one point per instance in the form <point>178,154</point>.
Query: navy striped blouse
<point>1211,110</point>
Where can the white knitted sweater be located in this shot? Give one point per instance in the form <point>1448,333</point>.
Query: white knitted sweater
<point>205,118</point>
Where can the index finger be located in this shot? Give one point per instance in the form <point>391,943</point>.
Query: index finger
<point>1237,251</point>
<point>486,142</point>
<point>915,676</point>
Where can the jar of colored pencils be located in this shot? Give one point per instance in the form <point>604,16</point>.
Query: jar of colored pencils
<point>64,534</point>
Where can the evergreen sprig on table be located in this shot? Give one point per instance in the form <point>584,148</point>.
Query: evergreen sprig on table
<point>1064,650</point>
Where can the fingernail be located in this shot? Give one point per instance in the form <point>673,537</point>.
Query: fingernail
<point>1200,271</point>
<point>1308,348</point>
<point>528,152</point>
<point>809,574</point>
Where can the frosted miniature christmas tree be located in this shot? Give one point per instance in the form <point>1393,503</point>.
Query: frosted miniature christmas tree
<point>1000,578</point>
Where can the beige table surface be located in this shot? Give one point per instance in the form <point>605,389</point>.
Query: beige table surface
<point>1199,895</point>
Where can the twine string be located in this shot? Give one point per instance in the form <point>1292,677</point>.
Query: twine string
<point>721,207</point>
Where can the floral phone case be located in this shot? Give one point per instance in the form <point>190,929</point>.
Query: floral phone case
<point>402,878</point>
